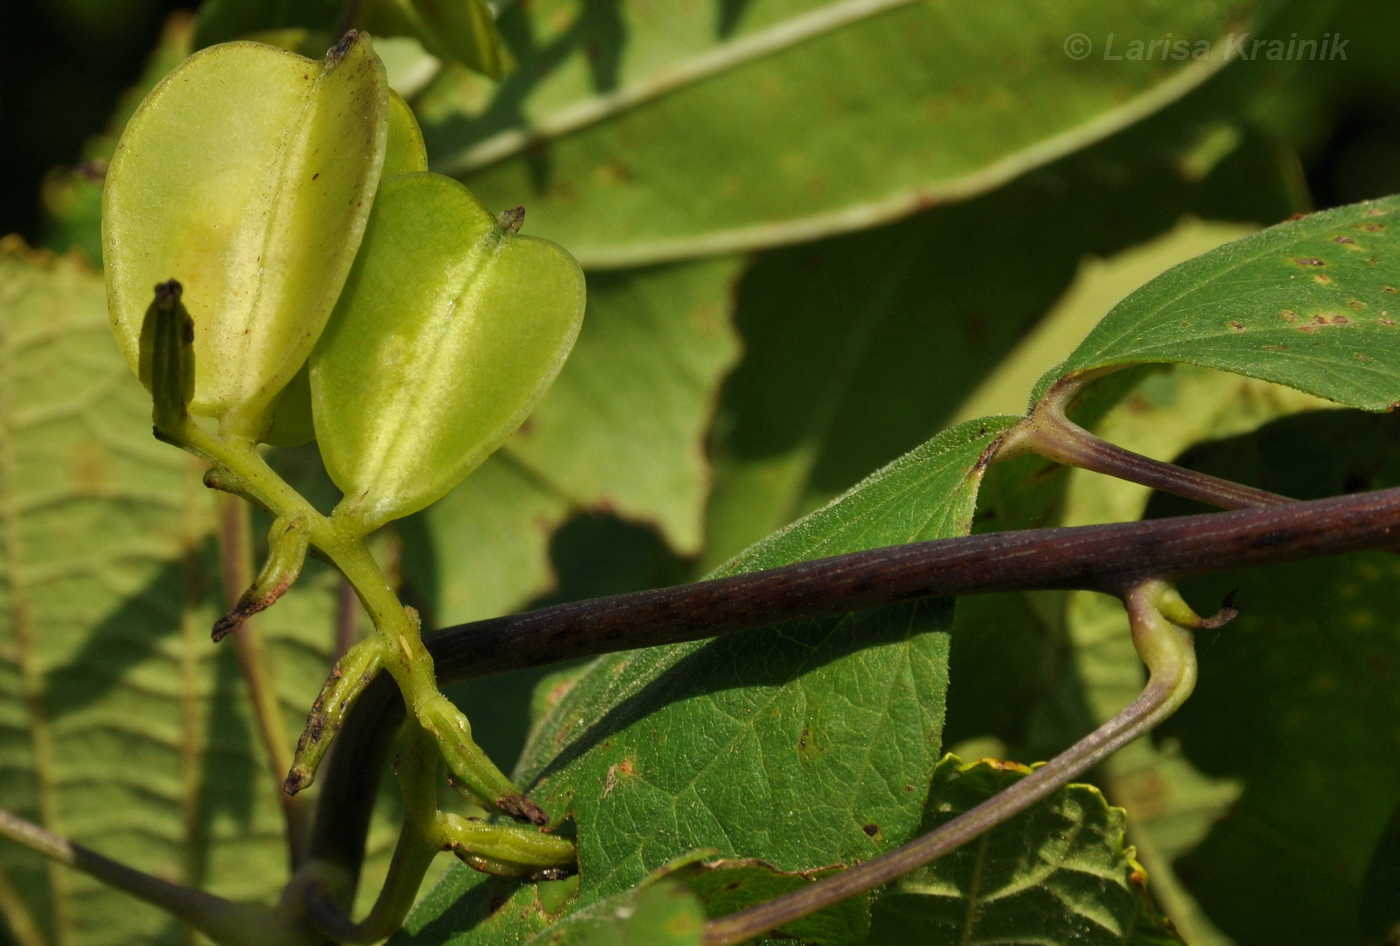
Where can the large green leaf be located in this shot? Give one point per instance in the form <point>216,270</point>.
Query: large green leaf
<point>1057,873</point>
<point>808,746</point>
<point>813,117</point>
<point>121,724</point>
<point>1311,303</point>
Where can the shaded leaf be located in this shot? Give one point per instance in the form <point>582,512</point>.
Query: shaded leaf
<point>1304,683</point>
<point>918,104</point>
<point>664,913</point>
<point>1057,873</point>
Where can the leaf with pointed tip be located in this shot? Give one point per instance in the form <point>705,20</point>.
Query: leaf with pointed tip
<point>1312,303</point>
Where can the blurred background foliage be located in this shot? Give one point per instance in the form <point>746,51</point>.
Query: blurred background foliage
<point>723,388</point>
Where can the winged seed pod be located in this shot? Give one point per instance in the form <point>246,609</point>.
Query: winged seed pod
<point>247,175</point>
<point>290,422</point>
<point>449,330</point>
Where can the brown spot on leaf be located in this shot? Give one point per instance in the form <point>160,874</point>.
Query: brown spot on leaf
<point>1340,320</point>
<point>1237,326</point>
<point>1385,321</point>
<point>1309,261</point>
<point>1344,239</point>
<point>1373,227</point>
<point>1323,280</point>
<point>871,829</point>
<point>90,468</point>
<point>1288,315</point>
<point>1361,357</point>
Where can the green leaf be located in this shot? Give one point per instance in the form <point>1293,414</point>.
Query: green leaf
<point>1311,303</point>
<point>727,886</point>
<point>121,724</point>
<point>1306,679</point>
<point>1099,285</point>
<point>918,104</point>
<point>663,913</point>
<point>807,747</point>
<point>1058,873</point>
<point>624,426</point>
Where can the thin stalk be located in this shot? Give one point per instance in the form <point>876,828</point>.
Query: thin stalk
<point>236,562</point>
<point>1164,647</point>
<point>239,468</point>
<point>225,922</point>
<point>416,848</point>
<point>1049,432</point>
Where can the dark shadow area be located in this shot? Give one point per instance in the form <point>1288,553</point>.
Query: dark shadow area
<point>730,13</point>
<point>64,66</point>
<point>1297,697</point>
<point>126,637</point>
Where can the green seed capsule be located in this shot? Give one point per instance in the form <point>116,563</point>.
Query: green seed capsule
<point>449,331</point>
<point>247,175</point>
<point>290,422</point>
